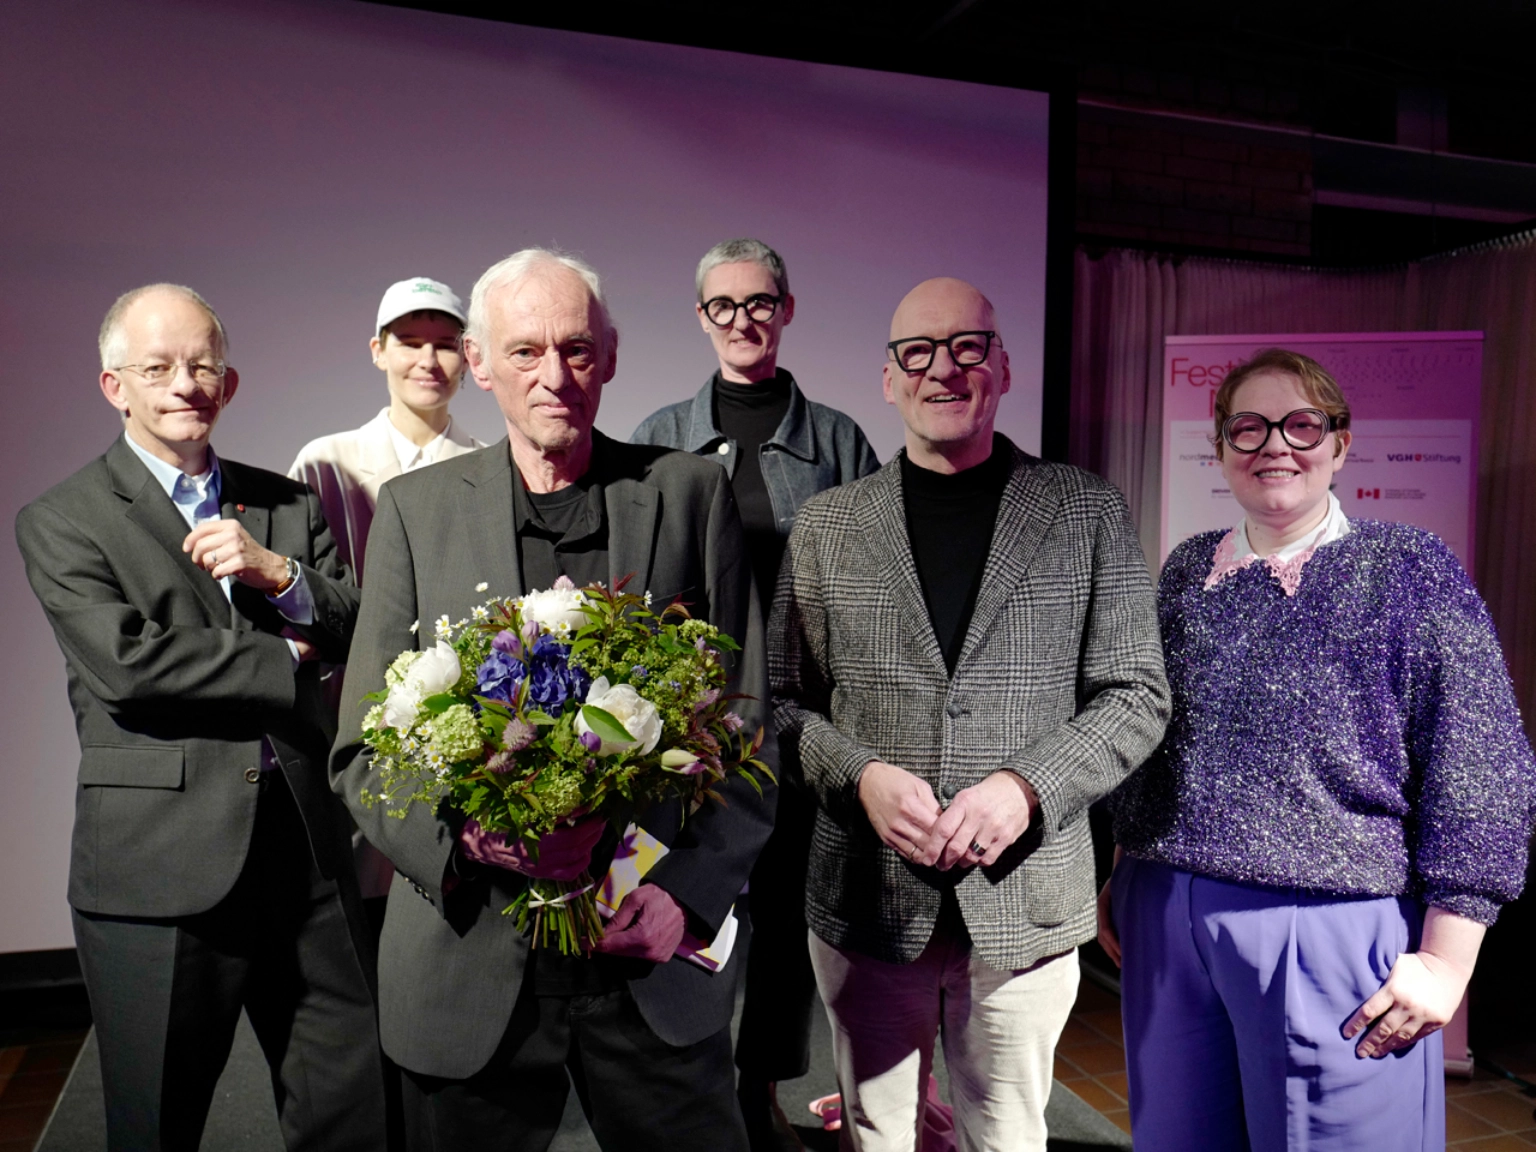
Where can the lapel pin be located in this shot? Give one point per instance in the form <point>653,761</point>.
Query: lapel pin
<point>239,507</point>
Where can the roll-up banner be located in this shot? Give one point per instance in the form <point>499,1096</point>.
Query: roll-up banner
<point>1414,399</point>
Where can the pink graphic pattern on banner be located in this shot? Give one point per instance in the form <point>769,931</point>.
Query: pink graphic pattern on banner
<point>1415,399</point>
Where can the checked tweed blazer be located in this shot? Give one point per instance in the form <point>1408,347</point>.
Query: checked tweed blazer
<point>1060,679</point>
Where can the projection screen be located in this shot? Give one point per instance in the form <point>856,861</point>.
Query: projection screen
<point>290,160</point>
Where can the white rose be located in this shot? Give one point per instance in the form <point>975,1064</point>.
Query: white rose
<point>435,670</point>
<point>554,607</point>
<point>629,708</point>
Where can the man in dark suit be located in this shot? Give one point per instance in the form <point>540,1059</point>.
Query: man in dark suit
<point>964,656</point>
<point>486,1029</point>
<point>210,867</point>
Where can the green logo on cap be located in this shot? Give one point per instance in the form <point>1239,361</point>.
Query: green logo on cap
<point>423,286</point>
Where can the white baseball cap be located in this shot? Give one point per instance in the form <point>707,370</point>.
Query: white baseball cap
<point>418,294</point>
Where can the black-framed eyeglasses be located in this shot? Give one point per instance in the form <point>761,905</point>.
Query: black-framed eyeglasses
<point>722,310</point>
<point>1302,429</point>
<point>203,372</point>
<point>966,349</point>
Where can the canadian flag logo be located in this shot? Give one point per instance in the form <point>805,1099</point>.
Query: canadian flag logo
<point>1367,493</point>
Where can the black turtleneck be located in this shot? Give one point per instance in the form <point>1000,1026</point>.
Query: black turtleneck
<point>750,414</point>
<point>950,518</point>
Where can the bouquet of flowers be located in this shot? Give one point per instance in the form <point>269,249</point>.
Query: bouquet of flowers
<point>565,703</point>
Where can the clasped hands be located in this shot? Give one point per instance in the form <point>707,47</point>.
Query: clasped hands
<point>906,816</point>
<point>649,923</point>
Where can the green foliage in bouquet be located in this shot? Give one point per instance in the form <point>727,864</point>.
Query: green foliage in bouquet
<point>565,703</point>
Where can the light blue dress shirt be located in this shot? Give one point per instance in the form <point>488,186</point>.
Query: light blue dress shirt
<point>197,498</point>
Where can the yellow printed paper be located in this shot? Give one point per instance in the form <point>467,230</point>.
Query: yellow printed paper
<point>637,854</point>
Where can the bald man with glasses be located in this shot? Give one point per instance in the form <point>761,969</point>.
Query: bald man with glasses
<point>964,656</point>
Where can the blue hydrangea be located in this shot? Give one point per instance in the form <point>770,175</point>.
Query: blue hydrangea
<point>498,678</point>
<point>553,683</point>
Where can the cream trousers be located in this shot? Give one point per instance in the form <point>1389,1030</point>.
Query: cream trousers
<point>999,1031</point>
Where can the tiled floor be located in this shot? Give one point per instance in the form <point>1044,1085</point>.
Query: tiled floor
<point>1486,1113</point>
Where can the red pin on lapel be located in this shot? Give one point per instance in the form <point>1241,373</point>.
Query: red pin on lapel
<point>239,507</point>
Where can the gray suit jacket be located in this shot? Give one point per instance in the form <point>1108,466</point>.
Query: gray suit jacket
<point>450,969</point>
<point>1060,679</point>
<point>174,687</point>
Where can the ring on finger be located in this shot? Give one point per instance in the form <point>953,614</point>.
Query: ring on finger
<point>977,849</point>
<point>213,558</point>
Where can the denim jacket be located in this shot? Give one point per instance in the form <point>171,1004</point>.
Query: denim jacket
<point>815,447</point>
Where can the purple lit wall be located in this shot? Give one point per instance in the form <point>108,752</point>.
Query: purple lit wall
<point>289,160</point>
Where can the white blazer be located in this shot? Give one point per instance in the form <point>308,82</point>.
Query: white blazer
<point>347,469</point>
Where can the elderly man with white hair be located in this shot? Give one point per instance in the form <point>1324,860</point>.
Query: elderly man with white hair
<point>489,1032</point>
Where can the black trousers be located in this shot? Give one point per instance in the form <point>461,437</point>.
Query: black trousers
<point>284,944</point>
<point>780,993</point>
<point>639,1093</point>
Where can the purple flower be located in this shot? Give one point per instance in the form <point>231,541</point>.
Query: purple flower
<point>500,676</point>
<point>733,723</point>
<point>706,700</point>
<point>508,642</point>
<point>518,734</point>
<point>530,632</point>
<point>699,644</point>
<point>591,741</point>
<point>552,682</point>
<point>638,672</point>
<point>501,763</point>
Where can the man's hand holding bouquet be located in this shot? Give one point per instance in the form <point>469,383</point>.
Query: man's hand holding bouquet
<point>544,720</point>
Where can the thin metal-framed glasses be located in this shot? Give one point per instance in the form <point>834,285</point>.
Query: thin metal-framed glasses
<point>202,371</point>
<point>1305,428</point>
<point>722,310</point>
<point>966,349</point>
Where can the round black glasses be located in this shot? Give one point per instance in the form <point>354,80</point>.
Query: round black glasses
<point>1302,429</point>
<point>722,310</point>
<point>966,349</point>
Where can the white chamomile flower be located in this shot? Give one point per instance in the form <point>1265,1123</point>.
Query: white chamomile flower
<point>443,627</point>
<point>482,586</point>
<point>415,624</point>
<point>647,598</point>
<point>481,612</point>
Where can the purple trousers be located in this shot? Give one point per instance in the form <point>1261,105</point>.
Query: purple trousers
<point>1232,998</point>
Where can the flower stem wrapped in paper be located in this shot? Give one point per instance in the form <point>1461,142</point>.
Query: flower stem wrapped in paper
<point>565,703</point>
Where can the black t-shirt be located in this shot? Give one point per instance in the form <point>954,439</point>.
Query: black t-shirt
<point>565,533</point>
<point>750,414</point>
<point>950,518</point>
<point>562,533</point>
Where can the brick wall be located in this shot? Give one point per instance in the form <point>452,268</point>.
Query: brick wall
<point>1190,187</point>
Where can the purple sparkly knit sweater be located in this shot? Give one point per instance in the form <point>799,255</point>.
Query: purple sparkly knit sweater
<point>1358,738</point>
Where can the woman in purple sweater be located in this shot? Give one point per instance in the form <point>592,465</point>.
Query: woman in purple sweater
<point>1342,803</point>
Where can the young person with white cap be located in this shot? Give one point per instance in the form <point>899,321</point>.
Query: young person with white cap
<point>418,345</point>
